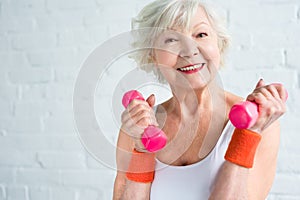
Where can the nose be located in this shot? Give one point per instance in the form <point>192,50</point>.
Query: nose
<point>189,48</point>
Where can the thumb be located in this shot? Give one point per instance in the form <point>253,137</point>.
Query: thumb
<point>260,83</point>
<point>151,100</point>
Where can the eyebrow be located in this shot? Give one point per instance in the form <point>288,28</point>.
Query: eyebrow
<point>199,24</point>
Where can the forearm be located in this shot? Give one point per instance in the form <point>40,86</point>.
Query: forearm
<point>231,183</point>
<point>136,191</point>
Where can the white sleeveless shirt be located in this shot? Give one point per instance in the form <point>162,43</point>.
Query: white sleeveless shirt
<point>191,182</point>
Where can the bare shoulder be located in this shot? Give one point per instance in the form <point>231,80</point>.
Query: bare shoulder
<point>231,99</point>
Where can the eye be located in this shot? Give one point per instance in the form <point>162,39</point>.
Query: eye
<point>201,35</point>
<point>170,40</point>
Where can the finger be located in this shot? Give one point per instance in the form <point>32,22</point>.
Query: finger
<point>258,98</point>
<point>260,83</point>
<point>282,91</point>
<point>135,105</point>
<point>264,91</point>
<point>151,100</point>
<point>135,102</point>
<point>274,91</point>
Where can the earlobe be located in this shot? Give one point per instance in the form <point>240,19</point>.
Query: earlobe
<point>151,57</point>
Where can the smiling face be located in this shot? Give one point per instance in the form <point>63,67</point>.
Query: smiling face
<point>190,55</point>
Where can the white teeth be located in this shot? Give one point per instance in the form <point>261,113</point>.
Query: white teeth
<point>191,67</point>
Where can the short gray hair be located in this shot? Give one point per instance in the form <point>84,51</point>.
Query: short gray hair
<point>165,14</point>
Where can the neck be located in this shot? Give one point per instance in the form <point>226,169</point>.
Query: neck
<point>188,103</point>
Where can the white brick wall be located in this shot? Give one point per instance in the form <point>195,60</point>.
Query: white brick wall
<point>42,46</point>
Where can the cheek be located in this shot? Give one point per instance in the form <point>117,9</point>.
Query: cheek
<point>212,54</point>
<point>165,59</point>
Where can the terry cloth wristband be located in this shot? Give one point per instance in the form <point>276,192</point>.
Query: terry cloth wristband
<point>242,147</point>
<point>141,167</point>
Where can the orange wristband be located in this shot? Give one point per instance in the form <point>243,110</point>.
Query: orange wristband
<point>242,147</point>
<point>141,167</point>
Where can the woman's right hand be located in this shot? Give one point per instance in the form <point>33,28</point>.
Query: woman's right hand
<point>136,117</point>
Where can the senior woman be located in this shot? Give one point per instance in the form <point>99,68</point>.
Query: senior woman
<point>202,159</point>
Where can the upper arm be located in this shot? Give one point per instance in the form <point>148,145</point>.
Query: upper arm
<point>263,172</point>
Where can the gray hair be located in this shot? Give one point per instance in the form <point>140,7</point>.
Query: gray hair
<point>165,14</point>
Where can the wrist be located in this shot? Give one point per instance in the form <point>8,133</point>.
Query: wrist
<point>141,167</point>
<point>242,147</point>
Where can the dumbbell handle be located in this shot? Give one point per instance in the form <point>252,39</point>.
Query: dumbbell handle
<point>243,115</point>
<point>153,138</point>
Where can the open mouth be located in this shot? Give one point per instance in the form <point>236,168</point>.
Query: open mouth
<point>191,68</point>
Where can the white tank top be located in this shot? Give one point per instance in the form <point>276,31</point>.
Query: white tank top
<point>191,182</point>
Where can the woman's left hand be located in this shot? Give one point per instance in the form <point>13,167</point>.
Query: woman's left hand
<point>271,104</point>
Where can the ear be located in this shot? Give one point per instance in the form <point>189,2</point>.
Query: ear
<point>152,56</point>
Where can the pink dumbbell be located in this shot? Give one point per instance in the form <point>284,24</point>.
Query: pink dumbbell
<point>153,138</point>
<point>243,115</point>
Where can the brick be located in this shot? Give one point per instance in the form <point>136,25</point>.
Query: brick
<point>24,9</point>
<point>63,124</point>
<point>94,163</point>
<point>6,108</point>
<point>31,108</point>
<point>59,193</point>
<point>97,34</point>
<point>292,56</point>
<point>21,124</point>
<point>39,142</point>
<point>32,92</point>
<point>8,93</point>
<point>61,160</point>
<point>288,162</point>
<point>36,177</point>
<point>73,38</point>
<point>62,20</point>
<point>58,109</point>
<point>59,91</point>
<point>256,58</point>
<point>94,18</point>
<point>279,2</point>
<point>13,60</point>
<point>294,95</point>
<point>46,23</point>
<point>264,16</point>
<point>125,12</point>
<point>65,76</point>
<point>4,41</point>
<point>266,40</point>
<point>288,77</point>
<point>241,84</point>
<point>30,76</point>
<point>283,197</point>
<point>90,194</point>
<point>38,193</point>
<point>240,39</point>
<point>3,133</point>
<point>15,24</point>
<point>34,41</point>
<point>70,5</point>
<point>7,175</point>
<point>286,184</point>
<point>14,158</point>
<point>90,178</point>
<point>17,192</point>
<point>2,193</point>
